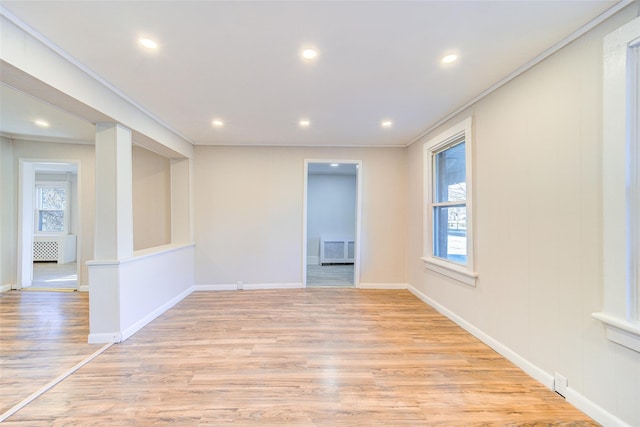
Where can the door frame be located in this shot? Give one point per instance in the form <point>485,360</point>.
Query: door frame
<point>356,261</point>
<point>26,230</point>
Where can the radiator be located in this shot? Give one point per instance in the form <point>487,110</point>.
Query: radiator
<point>60,248</point>
<point>337,251</point>
<point>45,251</point>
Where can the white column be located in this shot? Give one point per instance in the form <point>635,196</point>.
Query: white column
<point>114,196</point>
<point>114,232</point>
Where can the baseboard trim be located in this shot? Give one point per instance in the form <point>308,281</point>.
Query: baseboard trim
<point>202,288</point>
<point>263,286</point>
<point>593,410</point>
<point>528,367</point>
<point>155,313</point>
<point>587,406</point>
<point>5,288</point>
<point>383,286</point>
<point>105,338</point>
<point>247,286</point>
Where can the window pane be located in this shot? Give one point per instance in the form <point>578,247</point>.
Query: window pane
<point>450,233</point>
<point>51,221</point>
<point>52,198</point>
<point>450,174</point>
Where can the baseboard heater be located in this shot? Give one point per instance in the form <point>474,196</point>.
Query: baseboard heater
<point>337,251</point>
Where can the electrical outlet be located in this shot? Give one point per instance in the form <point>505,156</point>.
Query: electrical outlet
<point>560,384</point>
<point>239,284</point>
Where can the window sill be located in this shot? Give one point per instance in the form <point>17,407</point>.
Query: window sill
<point>620,330</point>
<point>451,270</point>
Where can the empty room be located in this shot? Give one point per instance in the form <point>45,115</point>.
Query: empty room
<point>320,212</point>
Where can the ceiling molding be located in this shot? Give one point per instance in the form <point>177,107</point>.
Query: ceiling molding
<point>535,61</point>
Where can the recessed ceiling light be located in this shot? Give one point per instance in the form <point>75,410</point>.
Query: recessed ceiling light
<point>41,123</point>
<point>217,123</point>
<point>309,54</point>
<point>304,123</point>
<point>148,43</point>
<point>386,123</point>
<point>334,165</point>
<point>448,59</point>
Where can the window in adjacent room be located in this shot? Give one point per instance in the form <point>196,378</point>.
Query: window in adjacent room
<point>51,208</point>
<point>448,210</point>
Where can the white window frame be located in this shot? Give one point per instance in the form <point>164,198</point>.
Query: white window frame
<point>37,204</point>
<point>621,187</point>
<point>462,273</point>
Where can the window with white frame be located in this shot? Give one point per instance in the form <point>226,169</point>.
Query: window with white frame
<point>621,186</point>
<point>448,204</point>
<point>51,207</point>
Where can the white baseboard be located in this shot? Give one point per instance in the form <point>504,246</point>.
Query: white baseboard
<point>573,397</point>
<point>198,288</point>
<point>383,285</point>
<point>256,286</point>
<point>247,286</point>
<point>155,313</point>
<point>119,336</point>
<point>105,338</point>
<point>593,410</point>
<point>5,288</point>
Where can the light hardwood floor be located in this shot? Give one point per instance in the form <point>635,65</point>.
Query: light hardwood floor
<point>322,356</point>
<point>42,335</point>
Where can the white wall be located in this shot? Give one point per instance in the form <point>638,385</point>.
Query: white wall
<point>7,216</point>
<point>538,144</point>
<point>331,210</point>
<point>249,208</point>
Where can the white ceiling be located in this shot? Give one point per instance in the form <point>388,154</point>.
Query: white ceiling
<point>240,61</point>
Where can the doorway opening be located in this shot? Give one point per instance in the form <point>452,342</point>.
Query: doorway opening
<point>48,226</point>
<point>331,236</point>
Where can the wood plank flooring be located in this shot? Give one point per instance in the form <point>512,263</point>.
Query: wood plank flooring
<point>42,335</point>
<point>322,356</point>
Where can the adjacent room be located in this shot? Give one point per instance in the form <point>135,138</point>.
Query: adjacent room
<point>320,213</point>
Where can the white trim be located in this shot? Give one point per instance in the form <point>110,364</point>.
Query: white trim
<point>383,286</point>
<point>358,231</point>
<point>572,396</point>
<point>621,330</point>
<point>620,185</point>
<point>463,273</point>
<point>246,286</point>
<point>83,288</point>
<point>258,286</point>
<point>154,314</point>
<point>5,288</point>
<point>206,288</point>
<point>596,412</point>
<point>141,254</point>
<point>451,270</point>
<point>105,337</point>
<point>535,61</point>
